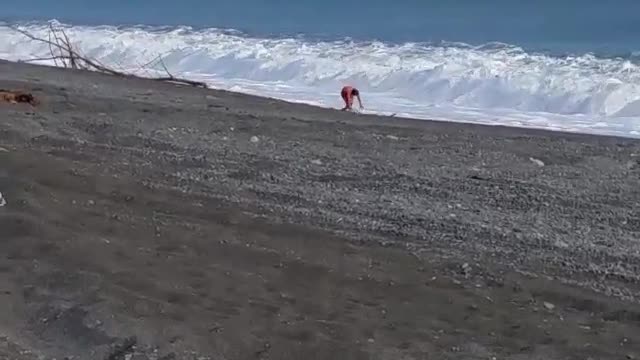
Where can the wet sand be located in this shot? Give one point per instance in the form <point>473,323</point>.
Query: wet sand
<point>146,220</point>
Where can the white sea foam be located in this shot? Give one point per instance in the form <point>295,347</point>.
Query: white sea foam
<point>491,84</point>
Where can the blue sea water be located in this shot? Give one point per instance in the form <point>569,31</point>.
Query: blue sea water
<point>558,26</point>
<point>567,65</point>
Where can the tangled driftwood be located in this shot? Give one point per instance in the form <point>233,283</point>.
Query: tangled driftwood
<point>64,54</point>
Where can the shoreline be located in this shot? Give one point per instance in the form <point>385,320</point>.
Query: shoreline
<point>565,129</point>
<point>223,225</point>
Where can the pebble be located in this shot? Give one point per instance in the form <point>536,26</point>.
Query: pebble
<point>254,139</point>
<point>3,202</point>
<point>371,341</point>
<point>537,161</point>
<point>392,137</point>
<point>91,202</point>
<point>549,306</point>
<point>465,269</point>
<point>316,162</point>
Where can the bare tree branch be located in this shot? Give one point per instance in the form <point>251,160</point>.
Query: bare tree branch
<point>165,68</point>
<point>55,61</point>
<point>57,57</point>
<point>61,50</point>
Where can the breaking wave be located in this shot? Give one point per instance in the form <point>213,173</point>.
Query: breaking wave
<point>494,83</point>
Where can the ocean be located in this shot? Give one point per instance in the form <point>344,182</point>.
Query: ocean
<point>561,65</point>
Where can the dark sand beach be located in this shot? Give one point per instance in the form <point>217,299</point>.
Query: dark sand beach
<point>146,220</point>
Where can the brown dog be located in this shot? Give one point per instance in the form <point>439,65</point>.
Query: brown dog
<point>14,97</point>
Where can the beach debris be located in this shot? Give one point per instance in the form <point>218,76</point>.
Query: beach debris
<point>64,54</point>
<point>3,149</point>
<point>16,96</point>
<point>536,161</point>
<point>392,137</point>
<point>3,202</point>
<point>254,139</point>
<point>548,305</point>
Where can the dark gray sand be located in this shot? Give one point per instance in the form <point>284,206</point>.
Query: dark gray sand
<point>150,221</point>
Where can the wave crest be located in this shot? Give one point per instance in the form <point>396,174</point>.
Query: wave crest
<point>407,78</point>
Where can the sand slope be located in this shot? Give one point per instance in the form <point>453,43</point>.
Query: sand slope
<point>216,225</point>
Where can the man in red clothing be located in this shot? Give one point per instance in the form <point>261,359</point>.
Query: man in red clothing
<point>347,94</point>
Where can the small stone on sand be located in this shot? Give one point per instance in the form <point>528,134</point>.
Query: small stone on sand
<point>536,161</point>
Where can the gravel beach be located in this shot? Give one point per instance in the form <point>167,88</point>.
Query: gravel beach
<point>146,220</point>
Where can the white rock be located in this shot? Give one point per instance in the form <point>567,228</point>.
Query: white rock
<point>536,161</point>
<point>465,269</point>
<point>3,202</point>
<point>392,137</point>
<point>316,162</point>
<point>549,305</point>
<point>254,139</point>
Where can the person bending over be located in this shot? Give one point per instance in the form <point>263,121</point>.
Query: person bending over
<point>348,93</point>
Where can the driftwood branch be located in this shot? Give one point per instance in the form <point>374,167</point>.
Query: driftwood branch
<point>47,58</point>
<point>64,54</point>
